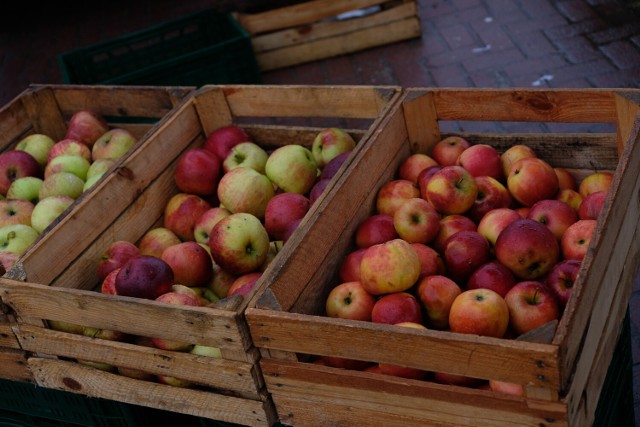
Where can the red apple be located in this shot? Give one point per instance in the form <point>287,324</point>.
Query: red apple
<point>281,210</point>
<point>424,177</point>
<point>592,205</point>
<point>597,181</point>
<point>349,300</point>
<point>430,260</point>
<point>115,256</point>
<point>69,147</point>
<point>222,281</point>
<point>494,276</point>
<point>15,211</point>
<point>244,284</point>
<point>566,180</point>
<point>556,215</point>
<point>318,189</point>
<point>221,140</point>
<point>437,293</point>
<point>561,279</point>
<point>349,269</point>
<point>513,154</point>
<point>198,172</point>
<point>452,190</point>
<point>8,259</point>
<point>108,285</point>
<point>494,221</point>
<point>457,380</point>
<point>181,213</point>
<point>377,228</point>
<point>491,195</point>
<point>86,127</point>
<point>464,252</point>
<point>291,228</point>
<point>416,221</point>
<point>570,197</point>
<point>144,276</point>
<point>531,305</point>
<point>413,165</point>
<point>16,164</point>
<point>481,160</point>
<point>156,240</point>
<point>389,267</point>
<point>532,179</point>
<point>203,225</point>
<point>449,225</point>
<point>506,387</point>
<point>393,194</point>
<point>576,239</point>
<point>190,262</point>
<point>334,165</point>
<point>395,308</point>
<point>527,248</point>
<point>344,363</point>
<point>447,151</point>
<point>481,312</point>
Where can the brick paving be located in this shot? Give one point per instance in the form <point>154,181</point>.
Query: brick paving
<point>464,43</point>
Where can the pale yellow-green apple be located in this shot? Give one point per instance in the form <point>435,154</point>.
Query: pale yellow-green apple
<point>174,382</point>
<point>106,334</point>
<point>566,180</point>
<point>69,146</point>
<point>597,181</point>
<point>449,225</point>
<point>198,172</point>
<point>413,165</point>
<point>556,215</point>
<point>480,312</point>
<point>464,252</point>
<point>416,221</point>
<point>73,163</point>
<point>15,211</point>
<point>281,210</point>
<point>330,143</point>
<point>99,167</point>
<point>349,300</point>
<point>204,224</point>
<point>244,284</point>
<point>62,326</point>
<point>115,256</point>
<point>190,262</point>
<point>527,248</point>
<point>576,239</point>
<point>156,240</point>
<point>436,293</point>
<point>349,269</point>
<point>246,154</point>
<point>531,305</point>
<point>222,281</point>
<point>221,140</point>
<point>17,238</point>
<point>570,197</point>
<point>431,261</point>
<point>494,276</point>
<point>513,154</point>
<point>245,190</point>
<point>90,182</point>
<point>561,279</point>
<point>25,188</point>
<point>388,267</point>
<point>481,160</point>
<point>492,194</point>
<point>452,190</point>
<point>144,276</point>
<point>592,205</point>
<point>176,297</point>
<point>447,150</point>
<point>206,350</point>
<point>532,179</point>
<point>396,307</point>
<point>292,168</point>
<point>182,212</point>
<point>376,228</point>
<point>86,126</point>
<point>61,184</point>
<point>394,194</point>
<point>239,243</point>
<point>404,371</point>
<point>113,144</point>
<point>47,210</point>
<point>494,221</point>
<point>38,145</point>
<point>205,294</point>
<point>15,164</point>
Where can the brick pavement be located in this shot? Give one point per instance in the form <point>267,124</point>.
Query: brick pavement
<point>464,43</point>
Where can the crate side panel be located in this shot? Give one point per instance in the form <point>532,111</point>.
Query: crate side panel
<point>14,366</point>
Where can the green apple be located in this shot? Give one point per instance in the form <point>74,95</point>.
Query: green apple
<point>113,144</point>
<point>25,188</point>
<point>47,210</point>
<point>206,350</point>
<point>90,182</point>
<point>292,168</point>
<point>38,145</point>
<point>17,238</point>
<point>73,163</point>
<point>247,154</point>
<point>330,143</point>
<point>61,184</point>
<point>99,167</point>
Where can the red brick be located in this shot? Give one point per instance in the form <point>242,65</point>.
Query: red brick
<point>492,59</point>
<point>575,10</point>
<point>577,49</point>
<point>575,29</point>
<point>457,36</point>
<point>534,44</point>
<point>449,76</point>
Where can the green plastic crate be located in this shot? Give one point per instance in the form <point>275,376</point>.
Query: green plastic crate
<point>203,48</point>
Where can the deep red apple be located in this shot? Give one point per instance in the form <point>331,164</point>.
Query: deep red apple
<point>481,160</point>
<point>282,209</point>
<point>464,252</point>
<point>331,168</point>
<point>592,205</point>
<point>395,308</point>
<point>449,225</point>
<point>377,228</point>
<point>144,276</point>
<point>556,215</point>
<point>491,195</point>
<point>561,279</point>
<point>221,140</point>
<point>447,151</point>
<point>576,239</point>
<point>198,172</point>
<point>16,164</point>
<point>86,126</point>
<point>430,260</point>
<point>494,276</point>
<point>531,305</point>
<point>349,270</point>
<point>115,256</point>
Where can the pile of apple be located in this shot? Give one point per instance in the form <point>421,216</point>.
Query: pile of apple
<point>469,240</point>
<point>40,178</point>
<point>236,206</point>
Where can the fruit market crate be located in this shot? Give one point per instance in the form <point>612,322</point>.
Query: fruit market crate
<point>206,47</point>
<point>562,371</point>
<point>314,30</point>
<point>132,201</point>
<point>47,109</point>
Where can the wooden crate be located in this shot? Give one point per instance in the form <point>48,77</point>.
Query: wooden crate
<point>47,109</point>
<point>562,378</point>
<point>131,202</point>
<point>318,29</point>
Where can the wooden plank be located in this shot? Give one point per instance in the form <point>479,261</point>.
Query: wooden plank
<point>628,110</point>
<point>7,337</point>
<point>76,378</point>
<point>13,365</point>
<point>353,41</point>
<point>15,123</point>
<point>44,113</point>
<point>421,121</point>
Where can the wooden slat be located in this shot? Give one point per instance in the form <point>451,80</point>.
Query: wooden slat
<point>14,123</point>
<point>76,378</point>
<point>7,337</point>
<point>628,107</point>
<point>13,365</point>
<point>44,112</point>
